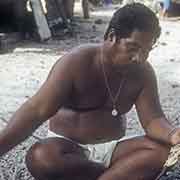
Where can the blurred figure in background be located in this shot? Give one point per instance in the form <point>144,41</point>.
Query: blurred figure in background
<point>164,7</point>
<point>107,2</point>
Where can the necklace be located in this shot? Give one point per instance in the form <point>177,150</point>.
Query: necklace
<point>114,99</point>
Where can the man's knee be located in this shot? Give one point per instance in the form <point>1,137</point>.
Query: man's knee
<point>46,157</point>
<point>160,149</point>
<point>38,160</point>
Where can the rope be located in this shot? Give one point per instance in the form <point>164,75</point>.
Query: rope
<point>172,159</point>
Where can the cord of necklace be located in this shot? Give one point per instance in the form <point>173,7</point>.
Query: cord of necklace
<point>113,99</point>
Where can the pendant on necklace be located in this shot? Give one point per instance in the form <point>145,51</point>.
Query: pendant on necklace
<point>114,112</point>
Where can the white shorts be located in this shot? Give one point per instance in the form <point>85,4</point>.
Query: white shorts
<point>101,153</point>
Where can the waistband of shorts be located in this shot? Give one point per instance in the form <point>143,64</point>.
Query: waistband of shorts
<point>53,134</point>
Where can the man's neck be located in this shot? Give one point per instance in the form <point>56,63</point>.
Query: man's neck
<point>111,61</point>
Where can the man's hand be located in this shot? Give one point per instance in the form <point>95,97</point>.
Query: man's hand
<point>174,136</point>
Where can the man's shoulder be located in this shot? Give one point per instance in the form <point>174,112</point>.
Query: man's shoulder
<point>82,54</point>
<point>149,76</point>
<point>85,49</point>
<point>78,60</point>
<point>75,63</point>
<point>148,69</point>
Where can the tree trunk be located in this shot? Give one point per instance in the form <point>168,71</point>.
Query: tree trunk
<point>85,7</point>
<point>69,8</point>
<point>40,19</point>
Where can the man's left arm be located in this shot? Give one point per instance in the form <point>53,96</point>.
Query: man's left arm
<point>150,113</point>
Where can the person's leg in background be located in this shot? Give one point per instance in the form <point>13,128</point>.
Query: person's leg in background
<point>165,7</point>
<point>85,8</point>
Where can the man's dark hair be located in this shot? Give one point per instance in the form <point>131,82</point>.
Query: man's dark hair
<point>132,17</point>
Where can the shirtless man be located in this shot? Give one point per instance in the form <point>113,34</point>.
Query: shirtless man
<point>85,96</point>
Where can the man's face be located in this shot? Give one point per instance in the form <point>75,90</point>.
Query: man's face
<point>135,48</point>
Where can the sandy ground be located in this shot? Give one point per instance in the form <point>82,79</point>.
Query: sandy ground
<point>23,71</point>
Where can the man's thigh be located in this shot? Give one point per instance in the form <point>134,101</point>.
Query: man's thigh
<point>127,146</point>
<point>138,158</point>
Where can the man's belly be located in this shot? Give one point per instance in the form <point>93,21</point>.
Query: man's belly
<point>90,127</point>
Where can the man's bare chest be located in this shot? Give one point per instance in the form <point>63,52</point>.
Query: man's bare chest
<point>93,93</point>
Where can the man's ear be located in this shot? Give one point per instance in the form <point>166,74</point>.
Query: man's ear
<point>112,37</point>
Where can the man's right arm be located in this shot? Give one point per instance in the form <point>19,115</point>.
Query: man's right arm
<point>44,104</point>
<point>24,121</point>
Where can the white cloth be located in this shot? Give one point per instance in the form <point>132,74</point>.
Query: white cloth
<point>101,153</point>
